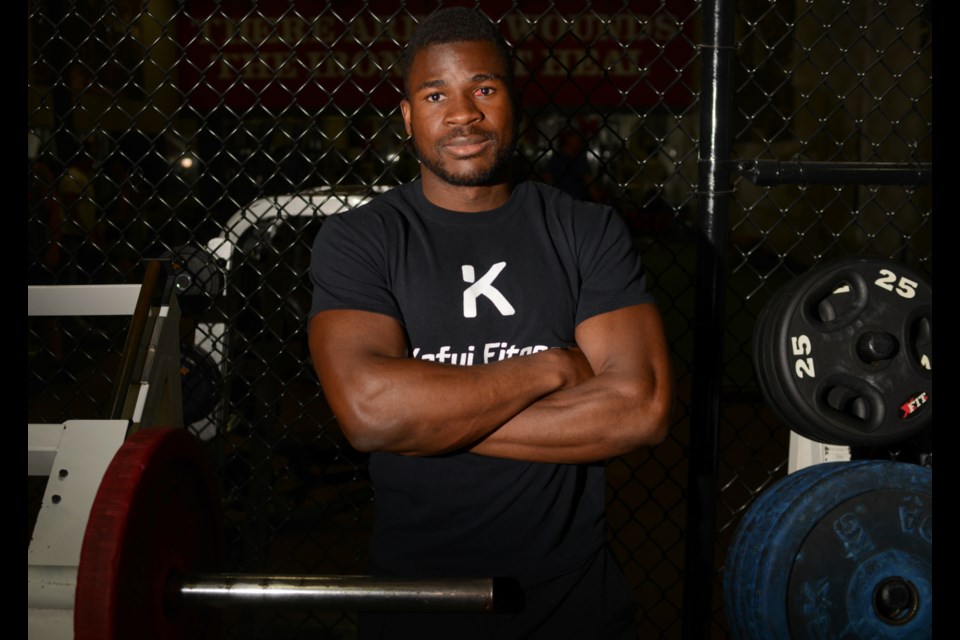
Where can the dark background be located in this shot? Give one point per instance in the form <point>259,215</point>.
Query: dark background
<point>152,126</point>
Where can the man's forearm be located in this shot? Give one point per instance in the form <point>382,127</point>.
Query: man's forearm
<point>547,406</point>
<point>599,419</point>
<point>385,401</point>
<point>413,407</point>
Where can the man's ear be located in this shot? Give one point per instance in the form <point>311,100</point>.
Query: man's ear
<point>405,110</point>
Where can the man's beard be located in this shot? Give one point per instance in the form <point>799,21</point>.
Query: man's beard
<point>493,174</point>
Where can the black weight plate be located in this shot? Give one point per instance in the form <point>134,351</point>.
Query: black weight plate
<point>768,373</point>
<point>776,541</point>
<point>775,382</point>
<point>200,382</point>
<point>845,353</point>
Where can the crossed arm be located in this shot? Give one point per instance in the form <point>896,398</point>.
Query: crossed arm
<point>605,398</point>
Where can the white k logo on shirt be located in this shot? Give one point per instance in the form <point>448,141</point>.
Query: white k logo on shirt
<point>484,287</point>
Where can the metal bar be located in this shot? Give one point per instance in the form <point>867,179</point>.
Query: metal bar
<point>135,336</point>
<point>713,207</point>
<point>774,172</point>
<point>82,299</point>
<point>366,593</point>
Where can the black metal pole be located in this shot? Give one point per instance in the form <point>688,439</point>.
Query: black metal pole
<point>776,172</point>
<point>713,205</point>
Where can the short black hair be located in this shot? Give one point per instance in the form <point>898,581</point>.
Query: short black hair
<point>456,24</point>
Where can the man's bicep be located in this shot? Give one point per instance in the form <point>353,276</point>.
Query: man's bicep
<point>628,352</point>
<point>628,341</point>
<point>343,341</point>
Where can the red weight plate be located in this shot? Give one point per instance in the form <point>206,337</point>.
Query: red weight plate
<point>157,516</point>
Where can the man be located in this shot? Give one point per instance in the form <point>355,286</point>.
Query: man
<point>491,345</point>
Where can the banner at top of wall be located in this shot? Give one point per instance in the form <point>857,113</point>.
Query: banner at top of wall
<point>317,54</point>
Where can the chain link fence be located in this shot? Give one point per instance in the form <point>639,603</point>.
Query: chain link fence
<point>217,136</point>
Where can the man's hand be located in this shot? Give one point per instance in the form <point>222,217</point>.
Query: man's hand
<point>579,363</point>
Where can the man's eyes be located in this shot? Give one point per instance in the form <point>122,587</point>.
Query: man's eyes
<point>484,92</point>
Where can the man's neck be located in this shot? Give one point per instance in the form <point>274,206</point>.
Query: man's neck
<point>465,199</point>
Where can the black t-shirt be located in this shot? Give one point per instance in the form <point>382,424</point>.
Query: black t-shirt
<point>470,288</point>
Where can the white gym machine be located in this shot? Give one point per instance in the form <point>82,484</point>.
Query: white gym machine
<point>75,454</point>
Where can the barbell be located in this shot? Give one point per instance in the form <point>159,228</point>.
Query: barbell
<point>153,545</point>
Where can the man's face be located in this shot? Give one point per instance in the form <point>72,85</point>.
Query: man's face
<point>459,113</point>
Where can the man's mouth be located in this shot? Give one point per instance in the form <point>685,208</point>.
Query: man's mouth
<point>466,145</point>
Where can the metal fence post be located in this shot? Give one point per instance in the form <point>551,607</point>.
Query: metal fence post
<point>713,203</point>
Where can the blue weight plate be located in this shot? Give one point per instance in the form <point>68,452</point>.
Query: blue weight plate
<point>741,567</point>
<point>864,570</point>
<point>771,535</point>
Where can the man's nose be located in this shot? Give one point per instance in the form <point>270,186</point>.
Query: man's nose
<point>461,110</point>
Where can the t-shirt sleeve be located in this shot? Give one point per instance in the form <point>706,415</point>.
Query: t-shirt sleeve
<point>348,266</point>
<point>610,265</point>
